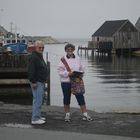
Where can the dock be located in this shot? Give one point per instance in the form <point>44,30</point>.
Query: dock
<point>85,49</point>
<point>14,75</point>
<point>107,50</point>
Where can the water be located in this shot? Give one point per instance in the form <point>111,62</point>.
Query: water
<point>112,83</point>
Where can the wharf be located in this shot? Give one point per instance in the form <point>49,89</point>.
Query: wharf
<point>14,74</point>
<point>86,49</point>
<point>103,51</point>
<point>13,69</point>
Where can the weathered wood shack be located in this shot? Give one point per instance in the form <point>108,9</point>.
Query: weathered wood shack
<point>114,35</point>
<point>138,24</point>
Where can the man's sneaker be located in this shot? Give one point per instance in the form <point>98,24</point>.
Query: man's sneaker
<point>38,122</point>
<point>87,118</point>
<point>42,118</point>
<point>67,118</point>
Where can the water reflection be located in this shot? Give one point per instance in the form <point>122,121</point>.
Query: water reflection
<point>114,69</point>
<point>114,81</point>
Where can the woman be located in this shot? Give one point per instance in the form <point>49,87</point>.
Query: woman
<point>74,64</point>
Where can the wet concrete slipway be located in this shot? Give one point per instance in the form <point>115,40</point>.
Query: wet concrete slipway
<point>15,124</point>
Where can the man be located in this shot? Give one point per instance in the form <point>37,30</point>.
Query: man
<point>37,71</point>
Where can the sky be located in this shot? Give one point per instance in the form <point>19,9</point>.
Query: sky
<point>64,18</point>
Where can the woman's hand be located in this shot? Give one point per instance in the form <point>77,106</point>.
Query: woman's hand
<point>34,85</point>
<point>70,73</point>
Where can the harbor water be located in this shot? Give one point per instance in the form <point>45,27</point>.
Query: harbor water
<point>112,82</point>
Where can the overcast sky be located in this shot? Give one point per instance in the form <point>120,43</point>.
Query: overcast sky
<point>65,18</point>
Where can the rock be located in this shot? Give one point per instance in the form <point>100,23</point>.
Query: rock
<point>46,39</point>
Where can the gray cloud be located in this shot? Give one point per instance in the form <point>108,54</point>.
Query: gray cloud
<point>65,18</point>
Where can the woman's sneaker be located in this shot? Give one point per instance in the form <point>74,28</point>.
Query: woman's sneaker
<point>87,118</point>
<point>67,118</point>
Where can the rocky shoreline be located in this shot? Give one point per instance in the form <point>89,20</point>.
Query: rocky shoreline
<point>46,39</point>
<point>119,124</point>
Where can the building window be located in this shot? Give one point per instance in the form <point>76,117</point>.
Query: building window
<point>13,41</point>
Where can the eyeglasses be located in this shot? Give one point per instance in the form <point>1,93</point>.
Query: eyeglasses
<point>41,47</point>
<point>70,49</point>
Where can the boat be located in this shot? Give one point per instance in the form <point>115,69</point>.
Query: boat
<point>16,48</point>
<point>15,44</point>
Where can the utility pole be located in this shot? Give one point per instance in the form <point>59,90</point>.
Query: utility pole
<point>1,10</point>
<point>16,33</point>
<point>11,27</point>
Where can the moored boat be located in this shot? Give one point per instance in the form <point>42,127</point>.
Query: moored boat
<point>16,48</point>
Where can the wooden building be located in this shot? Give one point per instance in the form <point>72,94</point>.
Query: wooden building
<point>138,24</point>
<point>114,35</point>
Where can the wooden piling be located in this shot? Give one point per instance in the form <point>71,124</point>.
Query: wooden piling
<point>86,50</point>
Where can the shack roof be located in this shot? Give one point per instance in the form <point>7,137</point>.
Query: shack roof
<point>138,24</point>
<point>108,28</point>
